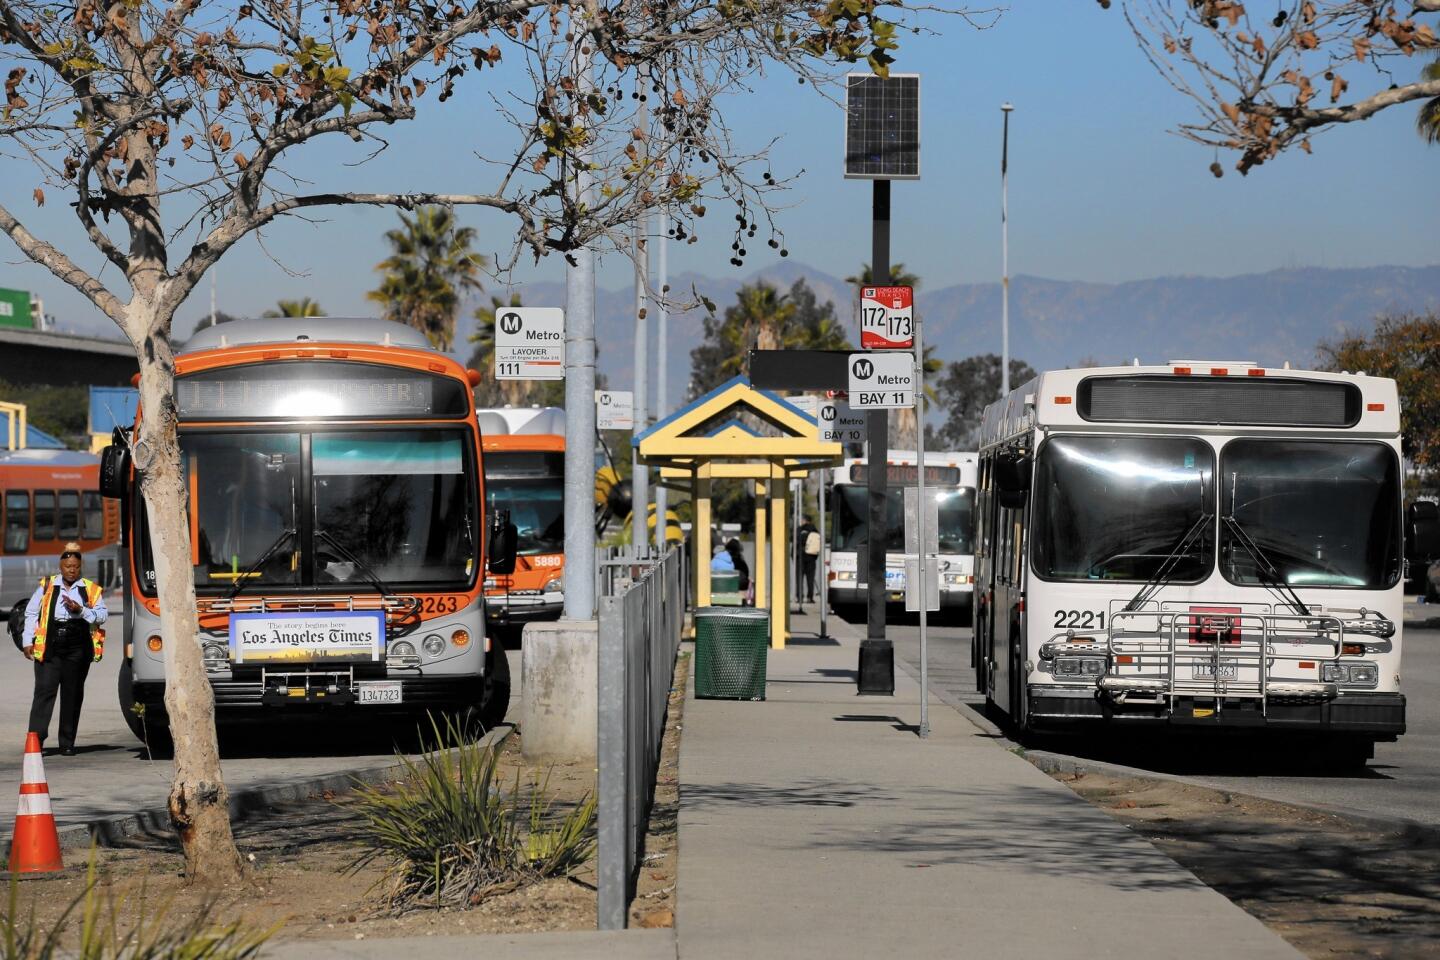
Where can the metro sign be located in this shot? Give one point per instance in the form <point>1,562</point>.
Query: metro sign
<point>887,318</point>
<point>880,381</point>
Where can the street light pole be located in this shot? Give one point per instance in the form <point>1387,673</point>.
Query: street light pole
<point>640,474</point>
<point>1005,109</point>
<point>662,349</point>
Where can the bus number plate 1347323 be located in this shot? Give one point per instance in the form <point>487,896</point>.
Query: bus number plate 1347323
<point>379,691</point>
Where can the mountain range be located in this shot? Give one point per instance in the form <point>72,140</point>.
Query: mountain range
<point>1268,318</point>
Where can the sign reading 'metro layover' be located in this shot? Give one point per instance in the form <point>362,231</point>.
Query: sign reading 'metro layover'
<point>530,343</point>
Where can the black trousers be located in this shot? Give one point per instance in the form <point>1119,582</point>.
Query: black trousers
<point>68,654</point>
<point>807,572</point>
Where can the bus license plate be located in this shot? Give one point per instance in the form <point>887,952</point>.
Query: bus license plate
<point>1229,670</point>
<point>379,691</point>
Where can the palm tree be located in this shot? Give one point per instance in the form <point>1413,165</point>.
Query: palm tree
<point>430,269</point>
<point>304,307</point>
<point>513,392</point>
<point>759,319</point>
<point>1428,122</point>
<point>898,277</point>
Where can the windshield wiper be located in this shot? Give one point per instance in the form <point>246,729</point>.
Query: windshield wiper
<point>244,578</point>
<point>1263,565</point>
<point>367,571</point>
<point>1166,571</point>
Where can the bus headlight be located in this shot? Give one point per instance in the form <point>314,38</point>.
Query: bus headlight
<point>402,654</point>
<point>555,584</point>
<point>1361,674</point>
<point>434,645</point>
<point>215,654</point>
<point>958,578</point>
<point>843,575</point>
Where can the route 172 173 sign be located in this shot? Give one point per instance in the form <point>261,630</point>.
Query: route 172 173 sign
<point>886,315</point>
<point>530,343</point>
<point>882,381</point>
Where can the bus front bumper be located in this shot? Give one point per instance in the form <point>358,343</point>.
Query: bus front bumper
<point>1379,716</point>
<point>249,699</point>
<point>506,610</point>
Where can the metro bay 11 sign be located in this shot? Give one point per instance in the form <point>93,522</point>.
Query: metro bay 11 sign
<point>530,343</point>
<point>887,318</point>
<point>882,381</point>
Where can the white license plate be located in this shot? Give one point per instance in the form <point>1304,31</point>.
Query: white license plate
<point>1229,670</point>
<point>379,691</point>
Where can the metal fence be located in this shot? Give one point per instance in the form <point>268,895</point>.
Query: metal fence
<point>642,613</point>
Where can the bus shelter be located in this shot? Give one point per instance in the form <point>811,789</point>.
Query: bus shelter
<point>736,432</point>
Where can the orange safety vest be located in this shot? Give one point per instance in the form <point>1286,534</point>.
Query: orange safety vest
<point>93,592</point>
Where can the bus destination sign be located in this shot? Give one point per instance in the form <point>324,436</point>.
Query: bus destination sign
<point>530,343</point>
<point>245,396</point>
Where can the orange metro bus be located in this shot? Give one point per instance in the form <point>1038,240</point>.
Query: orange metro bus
<point>335,481</point>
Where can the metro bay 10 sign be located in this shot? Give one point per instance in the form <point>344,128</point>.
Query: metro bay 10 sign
<point>886,318</point>
<point>530,343</point>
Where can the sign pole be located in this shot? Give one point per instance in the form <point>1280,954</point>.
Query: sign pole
<point>824,562</point>
<point>921,511</point>
<point>877,654</point>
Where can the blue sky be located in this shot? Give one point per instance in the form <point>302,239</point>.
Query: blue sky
<point>1099,189</point>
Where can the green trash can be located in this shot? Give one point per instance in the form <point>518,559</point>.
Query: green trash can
<point>731,645</point>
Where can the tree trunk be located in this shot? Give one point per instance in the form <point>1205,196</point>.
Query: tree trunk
<point>903,435</point>
<point>199,802</point>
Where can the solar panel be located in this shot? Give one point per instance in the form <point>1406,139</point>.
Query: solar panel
<point>882,126</point>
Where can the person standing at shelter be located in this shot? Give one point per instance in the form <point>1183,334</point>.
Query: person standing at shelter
<point>808,546</point>
<point>63,636</point>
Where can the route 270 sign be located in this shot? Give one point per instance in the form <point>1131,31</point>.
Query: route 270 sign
<point>887,318</point>
<point>882,381</point>
<point>530,343</point>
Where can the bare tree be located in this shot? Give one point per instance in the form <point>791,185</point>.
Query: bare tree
<point>166,124</point>
<point>1265,81</point>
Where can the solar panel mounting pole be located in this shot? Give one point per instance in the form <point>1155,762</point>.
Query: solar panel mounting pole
<point>877,654</point>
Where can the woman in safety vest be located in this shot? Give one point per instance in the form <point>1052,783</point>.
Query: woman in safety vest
<point>63,637</point>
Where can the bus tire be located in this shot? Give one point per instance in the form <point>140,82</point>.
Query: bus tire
<point>150,728</point>
<point>496,698</point>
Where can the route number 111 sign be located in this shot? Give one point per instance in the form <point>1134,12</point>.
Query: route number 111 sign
<point>886,315</point>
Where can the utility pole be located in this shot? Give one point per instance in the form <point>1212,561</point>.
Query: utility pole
<point>640,475</point>
<point>662,350</point>
<point>877,653</point>
<point>1005,109</point>
<point>579,573</point>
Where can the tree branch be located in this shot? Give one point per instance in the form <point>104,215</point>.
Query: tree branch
<point>62,266</point>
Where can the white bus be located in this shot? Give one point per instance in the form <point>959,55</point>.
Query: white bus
<point>951,479</point>
<point>1208,544</point>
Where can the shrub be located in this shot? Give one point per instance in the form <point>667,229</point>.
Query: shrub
<point>452,835</point>
<point>104,936</point>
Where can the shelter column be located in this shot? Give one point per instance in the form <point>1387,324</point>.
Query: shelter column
<point>779,608</point>
<point>701,535</point>
<point>761,566</point>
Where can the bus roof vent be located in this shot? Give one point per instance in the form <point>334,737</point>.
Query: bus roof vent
<point>276,330</point>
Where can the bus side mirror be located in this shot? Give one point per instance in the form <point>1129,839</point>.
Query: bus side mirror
<point>114,465</point>
<point>501,550</point>
<point>1012,479</point>
<point>1422,532</point>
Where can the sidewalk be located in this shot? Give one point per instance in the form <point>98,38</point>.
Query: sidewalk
<point>818,824</point>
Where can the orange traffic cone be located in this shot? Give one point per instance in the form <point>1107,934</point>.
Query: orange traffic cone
<point>35,847</point>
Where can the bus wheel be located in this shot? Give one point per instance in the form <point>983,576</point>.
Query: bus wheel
<point>150,728</point>
<point>1348,756</point>
<point>496,698</point>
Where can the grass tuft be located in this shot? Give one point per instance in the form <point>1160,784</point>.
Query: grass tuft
<point>450,834</point>
<point>103,935</point>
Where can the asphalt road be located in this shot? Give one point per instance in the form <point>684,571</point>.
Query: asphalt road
<point>1401,783</point>
<point>111,775</point>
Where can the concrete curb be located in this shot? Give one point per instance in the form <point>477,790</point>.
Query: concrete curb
<point>109,831</point>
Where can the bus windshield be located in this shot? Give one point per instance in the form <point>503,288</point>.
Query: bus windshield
<point>1325,514</point>
<point>396,502</point>
<point>1114,508</point>
<point>531,485</point>
<point>852,518</point>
